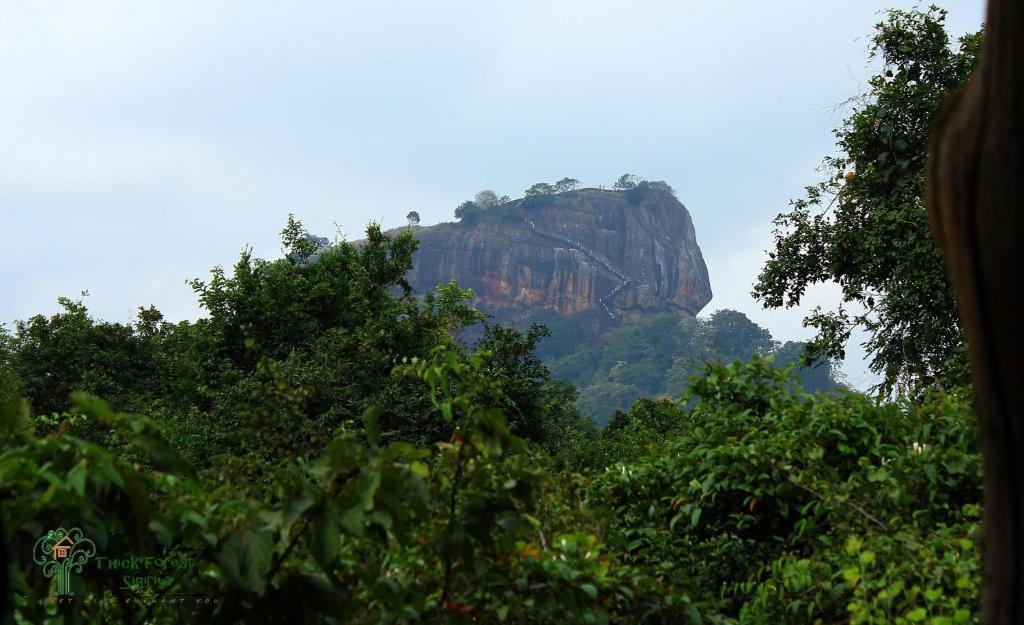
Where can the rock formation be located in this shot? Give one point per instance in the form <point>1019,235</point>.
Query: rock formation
<point>619,255</point>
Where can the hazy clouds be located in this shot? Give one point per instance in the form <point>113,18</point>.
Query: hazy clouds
<point>145,142</point>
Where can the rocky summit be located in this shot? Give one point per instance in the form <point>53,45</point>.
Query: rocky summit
<point>608,255</point>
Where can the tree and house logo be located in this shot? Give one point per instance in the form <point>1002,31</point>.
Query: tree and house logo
<point>62,552</point>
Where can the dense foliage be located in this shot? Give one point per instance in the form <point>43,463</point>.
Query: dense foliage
<point>470,211</point>
<point>775,507</point>
<point>323,447</point>
<point>865,227</point>
<point>332,323</point>
<point>655,358</point>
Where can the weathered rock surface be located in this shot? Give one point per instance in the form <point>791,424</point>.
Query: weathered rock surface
<point>588,251</point>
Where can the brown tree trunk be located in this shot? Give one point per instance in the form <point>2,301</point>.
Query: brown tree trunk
<point>975,187</point>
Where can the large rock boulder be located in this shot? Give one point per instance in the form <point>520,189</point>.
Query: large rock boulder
<point>620,255</point>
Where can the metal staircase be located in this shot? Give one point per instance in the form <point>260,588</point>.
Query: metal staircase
<point>598,259</point>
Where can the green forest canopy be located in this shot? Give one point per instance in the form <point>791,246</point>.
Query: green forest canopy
<point>323,444</point>
<point>655,357</point>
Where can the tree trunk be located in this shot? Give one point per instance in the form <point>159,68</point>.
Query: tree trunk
<point>975,174</point>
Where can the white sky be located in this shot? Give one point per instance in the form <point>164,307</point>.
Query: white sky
<point>144,142</point>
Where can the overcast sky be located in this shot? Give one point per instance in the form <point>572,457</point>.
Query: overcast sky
<point>142,143</point>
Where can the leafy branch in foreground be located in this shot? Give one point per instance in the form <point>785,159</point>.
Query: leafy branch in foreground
<point>356,532</point>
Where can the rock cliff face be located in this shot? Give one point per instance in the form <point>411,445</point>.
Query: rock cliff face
<point>612,254</point>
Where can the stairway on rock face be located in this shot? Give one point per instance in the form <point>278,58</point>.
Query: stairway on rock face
<point>599,259</point>
<point>580,245</point>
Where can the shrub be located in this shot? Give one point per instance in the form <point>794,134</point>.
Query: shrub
<point>787,508</point>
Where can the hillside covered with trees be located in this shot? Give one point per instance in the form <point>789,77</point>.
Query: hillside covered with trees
<point>656,357</point>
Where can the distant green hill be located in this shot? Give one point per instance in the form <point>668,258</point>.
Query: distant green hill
<point>654,357</point>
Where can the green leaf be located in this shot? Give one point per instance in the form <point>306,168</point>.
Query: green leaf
<point>368,484</point>
<point>326,536</point>
<point>162,533</point>
<point>91,406</point>
<point>295,509</point>
<point>246,557</point>
<point>590,589</point>
<point>878,475</point>
<point>76,478</point>
<point>194,517</point>
<point>371,424</point>
<point>272,520</point>
<point>163,456</point>
<point>352,519</point>
<point>566,571</point>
